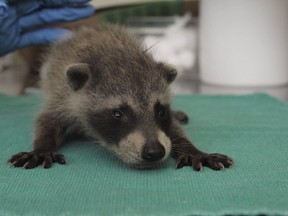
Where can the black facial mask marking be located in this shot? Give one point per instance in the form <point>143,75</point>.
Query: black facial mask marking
<point>113,124</point>
<point>163,117</point>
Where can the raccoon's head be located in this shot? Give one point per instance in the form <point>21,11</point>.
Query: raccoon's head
<point>122,96</point>
<point>131,116</point>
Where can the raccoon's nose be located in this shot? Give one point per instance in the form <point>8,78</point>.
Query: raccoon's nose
<point>153,152</point>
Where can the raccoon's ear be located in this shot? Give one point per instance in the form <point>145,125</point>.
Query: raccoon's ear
<point>77,75</point>
<point>168,72</point>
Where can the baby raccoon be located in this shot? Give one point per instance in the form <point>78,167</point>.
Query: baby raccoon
<point>106,85</point>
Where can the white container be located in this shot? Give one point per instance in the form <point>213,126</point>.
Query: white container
<point>244,42</point>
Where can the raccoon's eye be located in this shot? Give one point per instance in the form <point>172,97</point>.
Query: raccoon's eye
<point>117,114</point>
<point>162,112</point>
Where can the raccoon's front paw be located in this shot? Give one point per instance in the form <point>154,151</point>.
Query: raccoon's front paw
<point>214,161</point>
<point>29,160</point>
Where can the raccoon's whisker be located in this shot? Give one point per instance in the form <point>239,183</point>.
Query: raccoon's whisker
<point>173,155</point>
<point>177,138</point>
<point>180,147</point>
<point>176,153</point>
<point>181,144</point>
<point>146,50</point>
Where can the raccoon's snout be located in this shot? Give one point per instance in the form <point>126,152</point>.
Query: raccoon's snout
<point>153,153</point>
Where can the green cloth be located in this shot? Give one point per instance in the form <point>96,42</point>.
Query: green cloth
<point>252,129</point>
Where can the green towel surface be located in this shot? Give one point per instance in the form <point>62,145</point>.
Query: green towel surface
<point>252,129</point>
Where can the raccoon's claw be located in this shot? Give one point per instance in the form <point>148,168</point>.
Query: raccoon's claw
<point>29,160</point>
<point>213,161</point>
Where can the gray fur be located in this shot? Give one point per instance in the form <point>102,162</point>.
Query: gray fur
<point>120,72</point>
<point>94,77</point>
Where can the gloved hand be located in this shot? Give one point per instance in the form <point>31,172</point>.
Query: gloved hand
<point>21,20</point>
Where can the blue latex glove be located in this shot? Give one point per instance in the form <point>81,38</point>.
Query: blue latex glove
<point>21,20</point>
